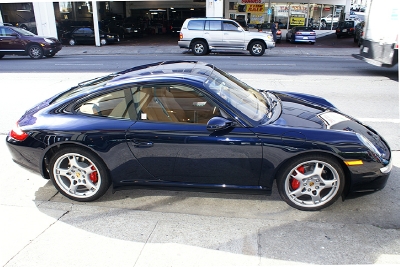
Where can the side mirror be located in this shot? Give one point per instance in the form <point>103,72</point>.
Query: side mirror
<point>219,123</point>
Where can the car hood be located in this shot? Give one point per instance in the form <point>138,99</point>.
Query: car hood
<point>262,35</point>
<point>300,111</point>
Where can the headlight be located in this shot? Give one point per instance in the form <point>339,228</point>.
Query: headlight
<point>368,144</point>
<point>110,36</point>
<point>47,40</point>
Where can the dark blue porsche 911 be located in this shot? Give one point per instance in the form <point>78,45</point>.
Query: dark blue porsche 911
<point>189,124</point>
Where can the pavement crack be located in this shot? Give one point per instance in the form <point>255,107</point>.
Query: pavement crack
<point>33,239</point>
<point>145,243</point>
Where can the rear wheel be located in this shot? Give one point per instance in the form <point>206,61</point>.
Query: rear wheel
<point>257,48</point>
<point>72,42</point>
<point>199,48</point>
<point>35,51</point>
<point>311,182</point>
<point>78,174</point>
<point>103,41</point>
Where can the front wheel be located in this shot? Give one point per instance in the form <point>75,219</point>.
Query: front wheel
<point>35,52</point>
<point>311,182</point>
<point>78,174</point>
<point>199,48</point>
<point>72,42</point>
<point>257,48</point>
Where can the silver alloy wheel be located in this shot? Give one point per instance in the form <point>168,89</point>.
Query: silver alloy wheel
<point>312,183</point>
<point>199,48</point>
<point>72,42</point>
<point>257,48</point>
<point>103,41</point>
<point>77,175</point>
<point>35,52</point>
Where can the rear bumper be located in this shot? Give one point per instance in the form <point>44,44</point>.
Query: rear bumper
<point>381,55</point>
<point>184,44</point>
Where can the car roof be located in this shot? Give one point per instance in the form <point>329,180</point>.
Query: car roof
<point>191,70</point>
<point>208,18</point>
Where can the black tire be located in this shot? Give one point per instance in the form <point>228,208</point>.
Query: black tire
<point>1,56</point>
<point>79,174</point>
<point>338,36</point>
<point>199,48</point>
<point>311,182</point>
<point>23,26</point>
<point>35,51</point>
<point>257,48</point>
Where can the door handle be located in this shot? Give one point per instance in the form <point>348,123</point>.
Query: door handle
<point>142,144</point>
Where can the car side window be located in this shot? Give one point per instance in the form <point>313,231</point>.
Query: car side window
<point>87,31</point>
<point>5,32</point>
<point>112,105</point>
<point>229,26</point>
<point>213,25</point>
<point>197,25</point>
<point>174,103</point>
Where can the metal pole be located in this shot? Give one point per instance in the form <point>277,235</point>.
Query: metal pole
<point>96,23</point>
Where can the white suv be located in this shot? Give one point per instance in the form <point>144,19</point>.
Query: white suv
<point>202,35</point>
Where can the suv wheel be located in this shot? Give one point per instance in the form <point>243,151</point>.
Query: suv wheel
<point>35,51</point>
<point>199,48</point>
<point>257,48</point>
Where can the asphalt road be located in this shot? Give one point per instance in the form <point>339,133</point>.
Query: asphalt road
<point>180,228</point>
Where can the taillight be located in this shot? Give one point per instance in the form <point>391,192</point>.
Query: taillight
<point>279,32</point>
<point>17,134</point>
<point>180,36</point>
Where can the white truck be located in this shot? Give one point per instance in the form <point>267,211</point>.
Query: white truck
<point>380,44</point>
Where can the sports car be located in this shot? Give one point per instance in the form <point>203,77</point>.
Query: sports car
<point>189,124</point>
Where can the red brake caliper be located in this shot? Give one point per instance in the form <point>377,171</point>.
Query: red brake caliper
<point>93,176</point>
<point>294,182</point>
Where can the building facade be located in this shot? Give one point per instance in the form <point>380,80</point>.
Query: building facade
<point>46,18</point>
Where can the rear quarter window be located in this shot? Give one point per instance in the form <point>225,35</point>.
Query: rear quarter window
<point>197,25</point>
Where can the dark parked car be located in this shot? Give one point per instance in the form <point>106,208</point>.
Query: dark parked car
<point>266,27</point>
<point>17,41</point>
<point>301,34</point>
<point>346,28</point>
<point>189,124</point>
<point>176,25</point>
<point>85,35</point>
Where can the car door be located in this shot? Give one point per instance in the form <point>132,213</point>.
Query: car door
<point>10,41</point>
<point>233,36</point>
<point>171,140</point>
<point>88,36</point>
<point>213,33</point>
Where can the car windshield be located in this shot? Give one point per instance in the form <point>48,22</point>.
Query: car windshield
<point>241,96</point>
<point>23,32</point>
